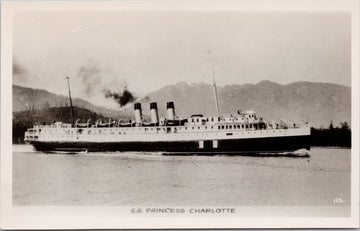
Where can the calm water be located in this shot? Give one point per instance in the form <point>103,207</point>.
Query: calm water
<point>153,179</point>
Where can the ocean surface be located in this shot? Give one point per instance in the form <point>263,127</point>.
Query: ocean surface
<point>117,179</point>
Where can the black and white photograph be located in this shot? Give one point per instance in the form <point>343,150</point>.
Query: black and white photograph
<point>193,110</point>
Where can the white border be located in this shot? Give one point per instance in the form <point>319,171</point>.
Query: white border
<point>96,217</point>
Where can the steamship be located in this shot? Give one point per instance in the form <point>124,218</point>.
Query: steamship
<point>243,132</point>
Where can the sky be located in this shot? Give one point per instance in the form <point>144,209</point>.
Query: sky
<point>146,50</point>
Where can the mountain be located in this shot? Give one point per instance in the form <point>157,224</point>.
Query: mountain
<point>25,98</point>
<point>319,103</point>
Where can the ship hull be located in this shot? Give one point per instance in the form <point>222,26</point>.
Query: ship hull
<point>226,146</point>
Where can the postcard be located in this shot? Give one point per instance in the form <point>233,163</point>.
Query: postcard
<point>179,114</point>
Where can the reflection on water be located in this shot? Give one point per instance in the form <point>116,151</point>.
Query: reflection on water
<point>154,179</point>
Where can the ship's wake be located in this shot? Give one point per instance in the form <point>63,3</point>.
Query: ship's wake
<point>301,153</point>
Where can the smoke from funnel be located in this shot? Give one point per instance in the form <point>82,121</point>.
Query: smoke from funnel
<point>91,76</point>
<point>100,84</point>
<point>121,98</point>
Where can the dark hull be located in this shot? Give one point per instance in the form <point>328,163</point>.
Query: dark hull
<point>235,146</point>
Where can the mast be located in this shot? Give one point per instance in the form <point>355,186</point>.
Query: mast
<point>72,109</point>
<point>215,95</point>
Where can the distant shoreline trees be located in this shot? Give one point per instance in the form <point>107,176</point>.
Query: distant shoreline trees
<point>332,136</point>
